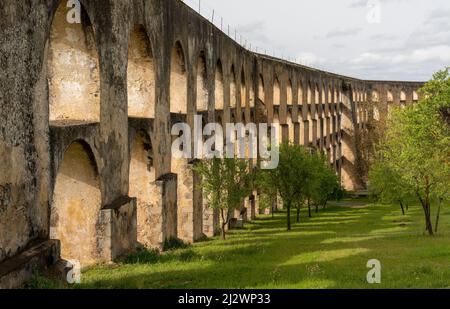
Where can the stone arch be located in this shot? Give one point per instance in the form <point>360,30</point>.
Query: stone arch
<point>276,92</point>
<point>252,97</point>
<point>73,69</point>
<point>202,84</point>
<point>389,96</point>
<point>233,89</point>
<point>178,80</point>
<point>375,96</point>
<point>76,204</point>
<point>140,75</point>
<point>403,96</point>
<point>316,94</point>
<point>415,96</point>
<point>276,122</point>
<point>300,93</point>
<point>243,90</point>
<point>261,90</point>
<point>309,94</point>
<point>290,124</point>
<point>143,187</point>
<point>219,89</point>
<point>290,95</point>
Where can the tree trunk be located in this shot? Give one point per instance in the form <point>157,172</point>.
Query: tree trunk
<point>426,207</point>
<point>437,216</point>
<point>222,232</point>
<point>428,223</point>
<point>224,224</point>
<point>401,206</point>
<point>309,209</point>
<point>317,208</point>
<point>288,206</point>
<point>298,214</point>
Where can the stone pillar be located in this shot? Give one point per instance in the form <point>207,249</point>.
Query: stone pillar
<point>305,140</point>
<point>198,207</point>
<point>296,133</point>
<point>284,133</point>
<point>167,188</point>
<point>185,199</point>
<point>210,220</point>
<point>117,229</point>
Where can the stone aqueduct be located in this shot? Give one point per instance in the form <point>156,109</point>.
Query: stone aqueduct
<point>86,113</point>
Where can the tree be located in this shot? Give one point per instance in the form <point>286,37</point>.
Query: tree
<point>226,182</point>
<point>416,147</point>
<point>386,185</point>
<point>290,177</point>
<point>325,184</point>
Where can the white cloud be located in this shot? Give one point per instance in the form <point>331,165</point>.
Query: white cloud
<point>417,56</point>
<point>310,59</point>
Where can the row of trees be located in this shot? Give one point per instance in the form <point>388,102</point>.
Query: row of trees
<point>303,178</point>
<point>413,159</point>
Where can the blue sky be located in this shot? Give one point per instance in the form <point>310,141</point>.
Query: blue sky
<point>369,39</point>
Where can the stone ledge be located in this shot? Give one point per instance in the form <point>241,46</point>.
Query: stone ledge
<point>16,270</point>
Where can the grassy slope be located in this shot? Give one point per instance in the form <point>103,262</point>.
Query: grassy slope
<point>328,251</point>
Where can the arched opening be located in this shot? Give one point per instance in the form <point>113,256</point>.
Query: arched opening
<point>178,81</point>
<point>261,93</point>
<point>402,99</point>
<point>300,94</point>
<point>202,85</point>
<point>290,126</point>
<point>309,95</point>
<point>219,86</point>
<point>143,188</point>
<point>243,90</point>
<point>76,205</point>
<point>402,96</point>
<point>316,94</point>
<point>73,69</point>
<point>390,97</point>
<point>252,98</point>
<point>376,113</point>
<point>276,122</point>
<point>276,92</point>
<point>289,93</point>
<point>233,91</point>
<point>330,95</point>
<point>415,96</point>
<point>140,75</point>
<point>375,96</point>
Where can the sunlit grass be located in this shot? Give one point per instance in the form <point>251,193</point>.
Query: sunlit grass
<point>329,250</point>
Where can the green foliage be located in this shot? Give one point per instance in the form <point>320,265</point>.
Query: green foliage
<point>142,256</point>
<point>325,184</point>
<point>416,150</point>
<point>226,182</point>
<point>173,243</point>
<point>388,186</point>
<point>301,174</point>
<point>328,251</point>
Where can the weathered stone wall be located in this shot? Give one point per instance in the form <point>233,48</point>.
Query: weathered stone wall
<point>124,70</point>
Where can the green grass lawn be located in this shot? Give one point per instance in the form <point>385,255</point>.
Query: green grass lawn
<point>329,250</point>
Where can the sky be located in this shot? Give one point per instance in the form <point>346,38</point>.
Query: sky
<point>367,39</point>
